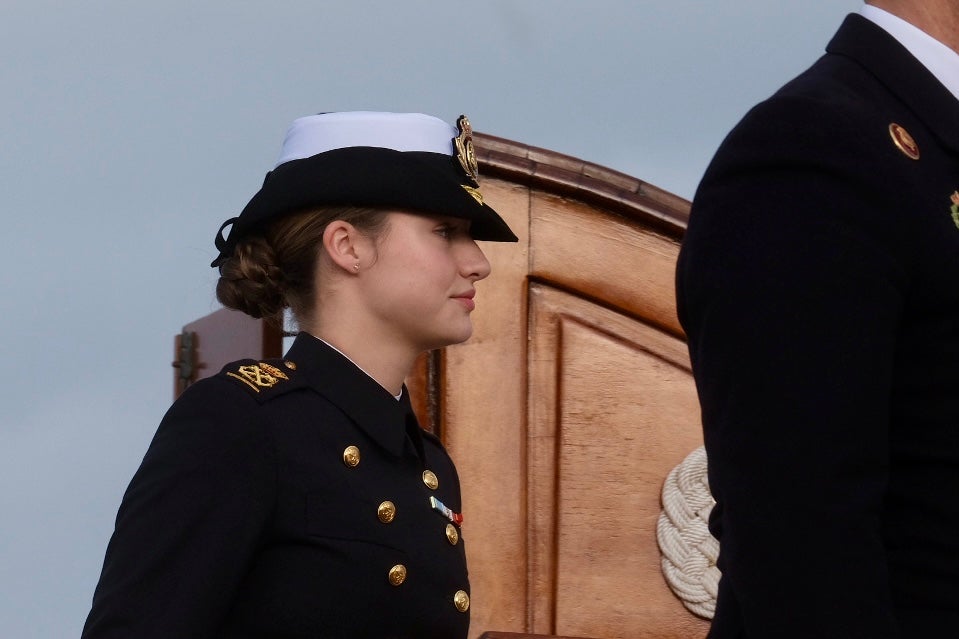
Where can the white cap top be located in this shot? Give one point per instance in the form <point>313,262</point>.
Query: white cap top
<point>314,134</point>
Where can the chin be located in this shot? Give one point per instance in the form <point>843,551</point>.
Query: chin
<point>455,338</point>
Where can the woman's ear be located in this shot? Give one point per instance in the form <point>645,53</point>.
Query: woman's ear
<point>341,241</point>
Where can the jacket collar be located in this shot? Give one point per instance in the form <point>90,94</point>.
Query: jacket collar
<point>370,406</point>
<point>891,63</point>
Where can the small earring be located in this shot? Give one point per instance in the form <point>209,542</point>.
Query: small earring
<point>356,267</point>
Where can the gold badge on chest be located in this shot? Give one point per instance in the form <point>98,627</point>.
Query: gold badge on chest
<point>903,141</point>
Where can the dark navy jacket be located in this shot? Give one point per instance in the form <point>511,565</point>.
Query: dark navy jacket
<point>818,284</point>
<point>252,516</point>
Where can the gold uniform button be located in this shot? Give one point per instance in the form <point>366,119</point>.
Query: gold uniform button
<point>452,534</point>
<point>351,456</point>
<point>386,512</point>
<point>461,600</point>
<point>290,365</point>
<point>397,574</point>
<point>429,478</point>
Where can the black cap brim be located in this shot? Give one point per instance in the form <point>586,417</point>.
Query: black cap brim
<point>417,181</point>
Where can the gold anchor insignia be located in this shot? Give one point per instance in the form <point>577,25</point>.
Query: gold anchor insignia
<point>903,141</point>
<point>465,153</point>
<point>954,209</point>
<point>258,376</point>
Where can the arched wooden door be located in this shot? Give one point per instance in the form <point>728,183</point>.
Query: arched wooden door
<point>569,405</point>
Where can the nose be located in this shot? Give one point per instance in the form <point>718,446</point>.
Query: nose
<point>473,263</point>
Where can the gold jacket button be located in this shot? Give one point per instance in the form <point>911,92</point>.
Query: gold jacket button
<point>398,574</point>
<point>429,478</point>
<point>386,512</point>
<point>351,456</point>
<point>461,600</point>
<point>452,534</point>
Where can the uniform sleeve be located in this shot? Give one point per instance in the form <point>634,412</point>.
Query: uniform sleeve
<point>790,288</point>
<point>190,520</point>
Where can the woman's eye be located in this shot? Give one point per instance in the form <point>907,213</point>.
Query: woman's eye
<point>454,229</point>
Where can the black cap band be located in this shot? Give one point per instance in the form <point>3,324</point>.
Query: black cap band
<point>368,176</point>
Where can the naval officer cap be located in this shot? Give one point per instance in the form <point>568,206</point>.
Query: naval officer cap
<point>403,161</point>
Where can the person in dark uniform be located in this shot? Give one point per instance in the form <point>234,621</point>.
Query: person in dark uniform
<point>298,497</point>
<point>818,284</point>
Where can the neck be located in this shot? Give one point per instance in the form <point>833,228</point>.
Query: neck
<point>388,364</point>
<point>938,18</point>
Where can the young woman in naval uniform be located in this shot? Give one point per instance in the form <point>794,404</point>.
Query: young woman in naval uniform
<point>299,497</point>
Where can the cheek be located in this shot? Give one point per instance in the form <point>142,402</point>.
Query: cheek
<point>423,275</point>
<point>424,272</point>
<point>429,269</point>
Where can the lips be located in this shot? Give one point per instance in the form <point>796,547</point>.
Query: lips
<point>466,299</point>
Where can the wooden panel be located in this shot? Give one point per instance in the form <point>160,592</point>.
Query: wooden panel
<point>612,410</point>
<point>606,257</point>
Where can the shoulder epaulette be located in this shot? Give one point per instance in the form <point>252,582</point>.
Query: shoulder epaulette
<point>264,379</point>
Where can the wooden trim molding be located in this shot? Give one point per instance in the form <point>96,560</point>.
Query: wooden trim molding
<point>590,183</point>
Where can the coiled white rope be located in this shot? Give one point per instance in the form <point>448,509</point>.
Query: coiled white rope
<point>689,550</point>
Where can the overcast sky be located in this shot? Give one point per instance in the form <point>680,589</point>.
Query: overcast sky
<point>130,130</point>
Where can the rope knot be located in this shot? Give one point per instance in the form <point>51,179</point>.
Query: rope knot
<point>689,550</point>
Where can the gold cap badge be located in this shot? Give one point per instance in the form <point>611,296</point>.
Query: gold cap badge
<point>465,153</point>
<point>904,141</point>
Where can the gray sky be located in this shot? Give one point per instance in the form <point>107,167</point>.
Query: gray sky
<point>130,130</point>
